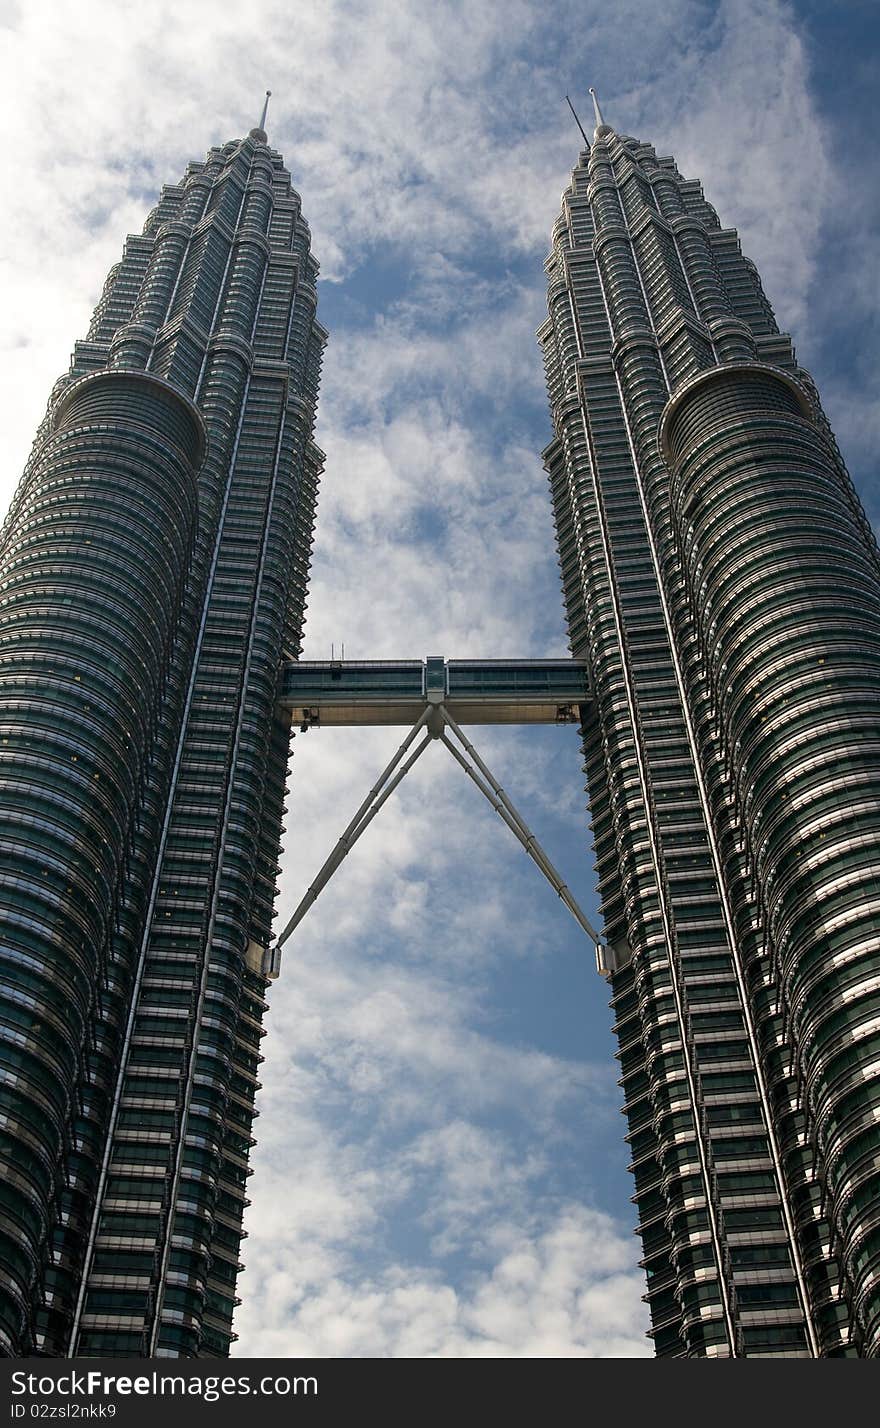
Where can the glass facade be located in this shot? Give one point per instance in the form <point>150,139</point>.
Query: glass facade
<point>723,585</point>
<point>153,575</point>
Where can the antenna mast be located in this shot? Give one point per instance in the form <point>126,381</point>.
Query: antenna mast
<point>577,121</point>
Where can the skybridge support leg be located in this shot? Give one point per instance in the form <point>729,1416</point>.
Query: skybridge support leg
<point>494,793</point>
<point>381,790</point>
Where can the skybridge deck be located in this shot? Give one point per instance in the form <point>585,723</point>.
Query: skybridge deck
<point>336,693</point>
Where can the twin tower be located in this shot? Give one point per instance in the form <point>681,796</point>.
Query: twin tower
<point>722,590</point>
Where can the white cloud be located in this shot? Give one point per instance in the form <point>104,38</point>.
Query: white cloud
<point>563,1291</point>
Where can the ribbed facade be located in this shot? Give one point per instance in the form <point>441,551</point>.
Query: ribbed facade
<point>722,581</point>
<point>153,575</point>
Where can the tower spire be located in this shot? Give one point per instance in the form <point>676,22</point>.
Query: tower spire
<point>259,134</point>
<point>601,127</point>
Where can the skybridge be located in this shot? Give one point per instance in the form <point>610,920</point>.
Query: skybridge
<point>433,698</point>
<point>348,692</point>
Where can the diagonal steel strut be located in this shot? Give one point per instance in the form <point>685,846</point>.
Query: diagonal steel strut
<point>434,716</point>
<point>381,790</point>
<point>495,794</point>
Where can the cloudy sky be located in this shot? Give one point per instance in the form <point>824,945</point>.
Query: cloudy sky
<point>440,1168</point>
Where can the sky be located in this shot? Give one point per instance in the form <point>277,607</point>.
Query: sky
<point>440,1168</point>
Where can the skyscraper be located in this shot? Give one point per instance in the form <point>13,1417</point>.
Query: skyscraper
<point>722,581</point>
<point>152,578</point>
